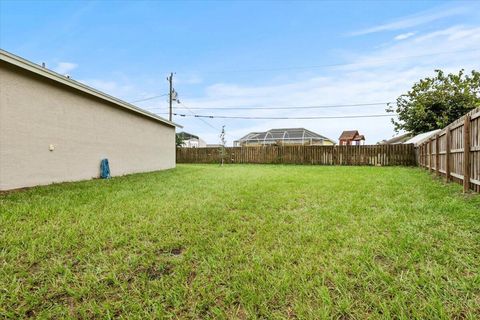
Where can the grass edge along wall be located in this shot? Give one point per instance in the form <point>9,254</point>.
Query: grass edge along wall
<point>54,129</point>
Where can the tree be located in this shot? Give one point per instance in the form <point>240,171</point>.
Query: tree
<point>433,103</point>
<point>223,142</point>
<point>179,140</point>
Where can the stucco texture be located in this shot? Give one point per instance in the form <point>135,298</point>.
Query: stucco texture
<point>37,113</point>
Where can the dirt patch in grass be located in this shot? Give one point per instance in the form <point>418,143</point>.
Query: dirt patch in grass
<point>155,272</point>
<point>175,251</point>
<point>191,277</point>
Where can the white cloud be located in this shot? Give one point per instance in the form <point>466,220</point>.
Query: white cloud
<point>119,89</point>
<point>404,36</point>
<point>414,20</point>
<point>190,79</point>
<point>453,34</point>
<point>65,67</point>
<point>378,76</point>
<point>110,87</point>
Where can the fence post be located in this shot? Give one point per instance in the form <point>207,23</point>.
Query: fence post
<point>430,156</point>
<point>425,157</point>
<point>466,154</point>
<point>422,160</point>
<point>420,155</point>
<point>437,156</point>
<point>447,154</point>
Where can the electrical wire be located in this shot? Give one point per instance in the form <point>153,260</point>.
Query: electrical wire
<point>233,108</point>
<point>296,107</point>
<point>206,122</point>
<point>339,64</point>
<point>315,67</point>
<point>287,118</point>
<point>150,98</point>
<point>201,118</point>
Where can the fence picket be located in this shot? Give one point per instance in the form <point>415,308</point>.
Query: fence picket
<point>459,160</point>
<point>322,155</point>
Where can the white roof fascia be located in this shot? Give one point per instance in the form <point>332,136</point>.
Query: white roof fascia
<point>32,67</point>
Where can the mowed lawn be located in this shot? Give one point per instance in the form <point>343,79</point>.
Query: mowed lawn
<point>243,241</point>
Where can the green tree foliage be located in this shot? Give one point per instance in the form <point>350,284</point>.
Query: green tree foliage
<point>178,140</point>
<point>433,103</point>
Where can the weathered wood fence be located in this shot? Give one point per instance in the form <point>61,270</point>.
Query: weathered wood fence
<point>455,152</point>
<point>384,155</point>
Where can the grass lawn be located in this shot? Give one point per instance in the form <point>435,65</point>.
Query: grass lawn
<point>243,241</point>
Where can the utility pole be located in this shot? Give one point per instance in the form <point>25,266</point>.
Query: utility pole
<point>170,80</point>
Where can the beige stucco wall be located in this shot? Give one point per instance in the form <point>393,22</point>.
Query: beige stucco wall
<point>36,112</point>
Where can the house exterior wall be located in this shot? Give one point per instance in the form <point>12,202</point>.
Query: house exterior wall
<point>194,143</point>
<point>36,113</point>
<point>350,142</point>
<point>327,143</point>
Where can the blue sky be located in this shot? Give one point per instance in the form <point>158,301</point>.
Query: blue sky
<point>249,54</point>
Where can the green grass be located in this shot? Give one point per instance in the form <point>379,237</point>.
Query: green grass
<point>243,241</point>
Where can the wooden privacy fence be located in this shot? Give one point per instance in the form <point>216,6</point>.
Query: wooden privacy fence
<point>455,151</point>
<point>384,155</point>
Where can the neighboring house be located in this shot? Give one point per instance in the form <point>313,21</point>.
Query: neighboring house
<point>288,136</point>
<point>191,141</point>
<point>398,139</point>
<point>351,137</point>
<point>55,129</point>
<point>214,145</point>
<point>422,136</point>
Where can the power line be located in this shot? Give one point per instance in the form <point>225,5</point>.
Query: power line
<point>287,118</point>
<point>201,119</point>
<point>150,98</point>
<point>233,108</point>
<point>295,107</point>
<point>319,66</point>
<point>339,64</point>
<point>195,115</point>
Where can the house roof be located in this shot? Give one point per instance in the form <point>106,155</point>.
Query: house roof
<point>359,137</point>
<point>422,136</point>
<point>186,136</point>
<point>283,134</point>
<point>398,139</point>
<point>49,74</point>
<point>351,135</point>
